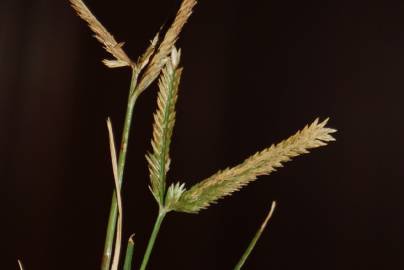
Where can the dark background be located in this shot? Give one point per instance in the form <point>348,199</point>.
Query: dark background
<point>255,72</point>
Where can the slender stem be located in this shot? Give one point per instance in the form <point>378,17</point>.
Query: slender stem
<point>127,265</point>
<point>152,240</point>
<point>109,240</point>
<point>255,239</point>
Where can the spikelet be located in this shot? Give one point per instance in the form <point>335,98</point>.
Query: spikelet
<point>174,193</point>
<point>170,38</point>
<point>103,36</point>
<point>164,120</point>
<point>230,180</point>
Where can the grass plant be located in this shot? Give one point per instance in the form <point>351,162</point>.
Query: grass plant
<point>162,60</point>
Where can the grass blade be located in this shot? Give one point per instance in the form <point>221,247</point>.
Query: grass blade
<point>256,238</point>
<point>118,240</point>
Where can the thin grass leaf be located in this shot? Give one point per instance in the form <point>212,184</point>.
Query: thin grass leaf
<point>118,240</point>
<point>127,265</point>
<point>103,36</point>
<point>257,236</point>
<point>164,120</point>
<point>159,59</point>
<point>225,182</point>
<point>20,265</point>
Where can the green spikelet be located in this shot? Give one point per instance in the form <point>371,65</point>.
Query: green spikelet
<point>225,182</point>
<point>164,120</point>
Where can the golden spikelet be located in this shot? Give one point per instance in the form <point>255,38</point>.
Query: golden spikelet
<point>103,36</point>
<point>159,59</point>
<point>164,120</point>
<point>230,180</point>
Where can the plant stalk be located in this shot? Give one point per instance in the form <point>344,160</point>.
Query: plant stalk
<point>127,265</point>
<point>255,239</point>
<point>152,240</point>
<point>111,227</point>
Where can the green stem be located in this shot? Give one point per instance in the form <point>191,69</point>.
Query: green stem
<point>109,240</point>
<point>127,265</point>
<point>255,239</point>
<point>152,240</point>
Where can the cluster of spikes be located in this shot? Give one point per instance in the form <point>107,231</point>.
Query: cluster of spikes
<point>155,56</point>
<point>162,60</point>
<point>223,183</point>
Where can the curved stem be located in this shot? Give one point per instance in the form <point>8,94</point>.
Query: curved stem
<point>152,240</point>
<point>109,240</point>
<point>255,239</point>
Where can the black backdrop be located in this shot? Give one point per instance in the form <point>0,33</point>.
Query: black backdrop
<point>255,72</point>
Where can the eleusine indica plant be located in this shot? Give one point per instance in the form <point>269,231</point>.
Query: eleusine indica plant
<point>162,60</point>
